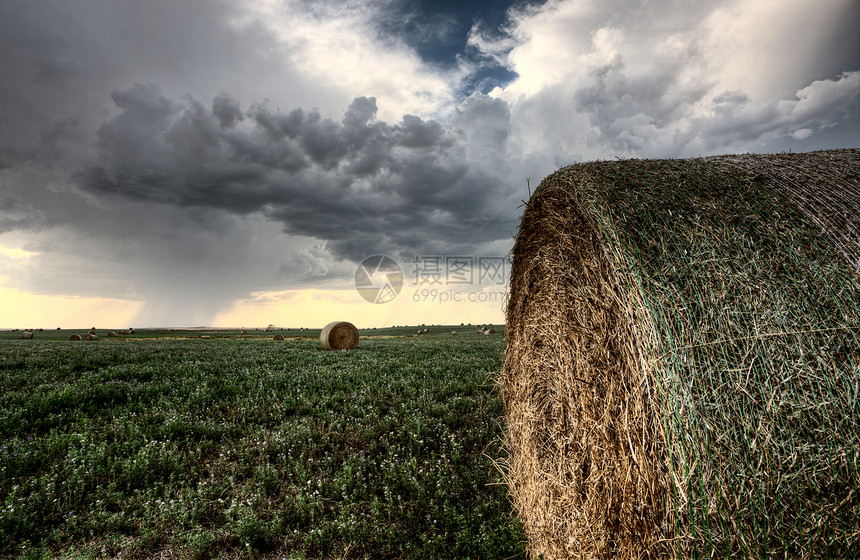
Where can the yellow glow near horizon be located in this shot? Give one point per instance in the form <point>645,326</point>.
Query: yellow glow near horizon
<point>20,309</point>
<point>314,308</point>
<point>17,254</point>
<point>311,308</point>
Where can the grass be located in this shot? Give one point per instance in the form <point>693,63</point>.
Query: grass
<point>247,447</point>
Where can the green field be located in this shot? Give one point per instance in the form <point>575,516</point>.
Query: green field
<point>172,445</point>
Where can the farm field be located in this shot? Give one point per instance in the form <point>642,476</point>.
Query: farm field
<point>168,444</point>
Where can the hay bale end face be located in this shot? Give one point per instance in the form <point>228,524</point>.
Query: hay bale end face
<point>278,337</point>
<point>339,335</point>
<point>75,337</point>
<point>671,327</point>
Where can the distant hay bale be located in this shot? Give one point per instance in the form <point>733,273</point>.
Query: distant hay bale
<point>27,334</point>
<point>92,332</point>
<point>111,335</point>
<point>91,336</point>
<point>683,344</point>
<point>339,335</point>
<point>75,337</point>
<point>453,333</point>
<point>278,337</point>
<point>490,331</point>
<point>244,332</point>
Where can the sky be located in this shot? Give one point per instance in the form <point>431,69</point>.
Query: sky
<point>294,162</point>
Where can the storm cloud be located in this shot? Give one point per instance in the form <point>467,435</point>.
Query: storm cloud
<point>361,185</point>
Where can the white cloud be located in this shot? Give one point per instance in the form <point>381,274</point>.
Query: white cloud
<point>599,79</point>
<point>769,48</point>
<point>336,46</point>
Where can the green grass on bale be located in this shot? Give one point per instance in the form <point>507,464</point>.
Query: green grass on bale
<point>250,448</point>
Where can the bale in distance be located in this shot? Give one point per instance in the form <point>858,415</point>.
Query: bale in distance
<point>278,337</point>
<point>667,341</point>
<point>339,335</point>
<point>27,334</point>
<point>75,337</point>
<point>111,335</point>
<point>91,336</point>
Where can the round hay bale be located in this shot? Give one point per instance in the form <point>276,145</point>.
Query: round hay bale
<point>453,333</point>
<point>673,327</point>
<point>75,337</point>
<point>490,331</point>
<point>91,336</point>
<point>92,331</point>
<point>111,335</point>
<point>244,332</point>
<point>278,337</point>
<point>27,334</point>
<point>339,335</point>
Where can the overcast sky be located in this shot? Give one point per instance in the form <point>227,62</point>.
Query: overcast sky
<point>173,163</point>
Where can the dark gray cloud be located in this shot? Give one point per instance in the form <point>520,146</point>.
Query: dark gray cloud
<point>59,61</point>
<point>361,185</point>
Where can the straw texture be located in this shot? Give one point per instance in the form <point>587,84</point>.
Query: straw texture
<point>683,363</point>
<point>339,335</point>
